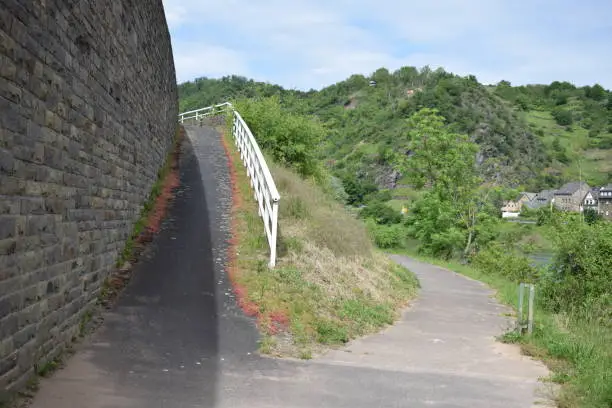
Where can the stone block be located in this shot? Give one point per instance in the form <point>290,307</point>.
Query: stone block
<point>76,162</point>
<point>7,226</point>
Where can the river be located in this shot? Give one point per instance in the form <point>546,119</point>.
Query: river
<point>541,258</point>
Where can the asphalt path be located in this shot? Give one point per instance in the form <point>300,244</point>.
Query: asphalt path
<point>176,339</point>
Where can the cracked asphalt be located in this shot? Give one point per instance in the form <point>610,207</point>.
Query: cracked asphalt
<point>176,339</point>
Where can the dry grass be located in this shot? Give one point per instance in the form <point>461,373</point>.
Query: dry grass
<point>330,284</point>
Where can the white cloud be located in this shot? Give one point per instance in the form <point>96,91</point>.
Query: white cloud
<point>175,13</point>
<point>193,60</point>
<point>314,43</point>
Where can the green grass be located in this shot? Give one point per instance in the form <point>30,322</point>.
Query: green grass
<point>329,286</point>
<point>406,193</point>
<point>595,164</point>
<point>578,353</point>
<point>528,238</point>
<point>397,204</point>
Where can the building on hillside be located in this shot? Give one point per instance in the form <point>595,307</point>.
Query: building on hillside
<point>512,207</point>
<point>527,196</point>
<point>591,200</point>
<point>541,199</point>
<point>605,201</point>
<point>570,196</point>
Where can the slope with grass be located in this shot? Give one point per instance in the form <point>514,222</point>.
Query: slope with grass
<point>574,153</point>
<point>329,286</point>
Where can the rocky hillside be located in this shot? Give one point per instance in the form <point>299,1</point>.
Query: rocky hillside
<point>533,137</point>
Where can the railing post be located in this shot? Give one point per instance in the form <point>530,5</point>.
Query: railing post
<point>520,306</point>
<point>531,306</point>
<point>274,233</point>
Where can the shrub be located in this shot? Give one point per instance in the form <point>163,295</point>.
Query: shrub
<point>386,236</point>
<point>291,139</point>
<point>562,116</point>
<point>580,276</point>
<point>381,213</point>
<point>509,264</point>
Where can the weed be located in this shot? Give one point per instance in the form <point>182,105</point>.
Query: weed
<point>85,319</point>
<point>511,337</point>
<point>305,354</point>
<point>49,367</point>
<point>329,286</point>
<point>330,332</point>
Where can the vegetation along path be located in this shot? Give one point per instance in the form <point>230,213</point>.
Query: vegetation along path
<point>175,338</point>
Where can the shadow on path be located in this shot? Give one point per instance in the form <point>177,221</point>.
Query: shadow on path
<point>176,338</point>
<point>160,345</point>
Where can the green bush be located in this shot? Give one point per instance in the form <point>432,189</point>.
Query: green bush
<point>562,116</point>
<point>386,236</point>
<point>291,139</point>
<point>357,189</point>
<point>507,263</point>
<point>381,213</point>
<point>580,278</point>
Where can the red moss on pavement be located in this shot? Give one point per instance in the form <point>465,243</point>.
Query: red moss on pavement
<point>162,202</point>
<point>117,280</point>
<point>249,307</point>
<point>272,322</point>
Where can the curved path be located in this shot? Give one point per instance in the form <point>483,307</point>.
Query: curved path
<point>176,339</point>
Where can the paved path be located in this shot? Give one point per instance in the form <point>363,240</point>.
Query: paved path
<point>176,339</point>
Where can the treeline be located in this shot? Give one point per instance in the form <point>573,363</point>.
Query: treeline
<point>364,123</point>
<point>588,106</point>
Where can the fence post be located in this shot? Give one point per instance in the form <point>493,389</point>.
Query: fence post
<point>531,306</point>
<point>274,233</point>
<point>520,305</point>
<point>521,324</point>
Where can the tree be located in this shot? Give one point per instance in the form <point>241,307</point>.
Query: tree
<point>381,213</point>
<point>595,92</point>
<point>448,213</point>
<point>563,117</point>
<point>381,75</point>
<point>406,74</point>
<point>591,216</point>
<point>522,101</point>
<point>357,189</point>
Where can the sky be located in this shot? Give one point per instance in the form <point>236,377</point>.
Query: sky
<point>304,44</point>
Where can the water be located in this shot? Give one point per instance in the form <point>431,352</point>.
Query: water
<point>541,258</point>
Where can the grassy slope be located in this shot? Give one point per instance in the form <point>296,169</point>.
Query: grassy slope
<point>330,285</point>
<point>596,163</point>
<point>578,354</point>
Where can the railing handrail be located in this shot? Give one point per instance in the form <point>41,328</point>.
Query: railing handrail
<point>206,108</point>
<point>267,175</point>
<point>262,182</point>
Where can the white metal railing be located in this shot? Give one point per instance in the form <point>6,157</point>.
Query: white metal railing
<point>201,113</point>
<point>263,185</point>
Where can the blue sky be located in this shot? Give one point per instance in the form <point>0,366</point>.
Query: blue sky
<point>314,43</point>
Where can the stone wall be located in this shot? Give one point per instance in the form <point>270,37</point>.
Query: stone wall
<point>88,106</point>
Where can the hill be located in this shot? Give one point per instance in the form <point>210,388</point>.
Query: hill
<point>534,136</point>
